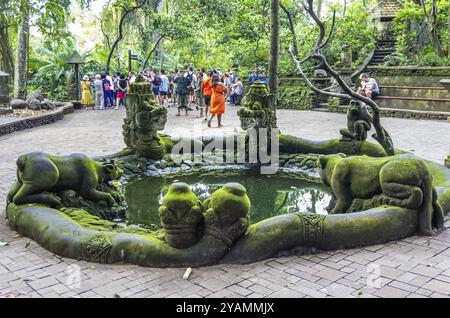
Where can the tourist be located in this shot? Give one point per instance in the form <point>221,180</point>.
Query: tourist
<point>217,100</point>
<point>174,95</point>
<point>107,92</point>
<point>163,88</point>
<point>191,75</point>
<point>369,87</point>
<point>238,90</point>
<point>122,87</point>
<point>183,87</point>
<point>254,76</point>
<point>207,91</point>
<point>156,84</point>
<point>263,78</point>
<point>205,74</point>
<point>226,81</point>
<point>111,80</point>
<point>131,78</point>
<point>86,96</point>
<point>200,101</point>
<point>98,86</point>
<point>115,83</point>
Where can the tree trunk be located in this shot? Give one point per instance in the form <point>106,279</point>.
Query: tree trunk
<point>448,47</point>
<point>6,56</point>
<point>319,8</point>
<point>125,13</point>
<point>21,67</point>
<point>435,29</point>
<point>274,48</point>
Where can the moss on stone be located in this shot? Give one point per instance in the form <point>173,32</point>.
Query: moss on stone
<point>291,144</point>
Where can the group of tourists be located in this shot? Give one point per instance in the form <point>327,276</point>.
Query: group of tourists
<point>207,92</point>
<point>104,91</point>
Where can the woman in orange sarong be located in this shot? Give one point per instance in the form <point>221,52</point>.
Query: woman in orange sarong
<point>217,100</point>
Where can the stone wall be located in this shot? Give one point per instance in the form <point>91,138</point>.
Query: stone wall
<point>294,94</point>
<point>397,113</point>
<point>31,122</point>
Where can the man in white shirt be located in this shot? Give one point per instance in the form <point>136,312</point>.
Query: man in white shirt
<point>369,87</point>
<point>163,88</point>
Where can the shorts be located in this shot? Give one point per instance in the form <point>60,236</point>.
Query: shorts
<point>155,90</point>
<point>375,94</point>
<point>182,101</point>
<point>191,91</point>
<point>208,100</point>
<point>121,94</point>
<point>200,102</point>
<point>162,93</point>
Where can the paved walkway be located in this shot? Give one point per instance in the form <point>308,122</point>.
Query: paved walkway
<point>414,267</point>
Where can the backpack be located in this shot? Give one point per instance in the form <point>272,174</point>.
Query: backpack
<point>107,86</point>
<point>157,80</point>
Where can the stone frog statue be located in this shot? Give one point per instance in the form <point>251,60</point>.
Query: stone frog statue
<point>228,213</point>
<point>39,173</point>
<point>181,216</point>
<point>186,221</point>
<point>399,180</point>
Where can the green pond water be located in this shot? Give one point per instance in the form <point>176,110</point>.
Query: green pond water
<point>270,195</point>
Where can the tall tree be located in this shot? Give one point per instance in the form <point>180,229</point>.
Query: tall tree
<point>21,65</point>
<point>274,48</point>
<point>6,55</point>
<point>125,12</point>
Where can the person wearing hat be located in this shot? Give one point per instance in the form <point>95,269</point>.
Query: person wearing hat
<point>86,96</point>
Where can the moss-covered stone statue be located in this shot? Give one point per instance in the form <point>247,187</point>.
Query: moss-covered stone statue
<point>181,216</point>
<point>40,176</point>
<point>359,122</point>
<point>143,121</point>
<point>398,181</point>
<point>258,111</point>
<point>228,213</point>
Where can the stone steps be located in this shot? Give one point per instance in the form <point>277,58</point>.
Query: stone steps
<point>394,112</point>
<point>432,92</point>
<point>414,103</point>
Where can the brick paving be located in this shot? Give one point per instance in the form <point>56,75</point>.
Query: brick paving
<point>413,267</point>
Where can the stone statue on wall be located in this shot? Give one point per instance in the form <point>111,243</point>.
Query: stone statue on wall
<point>143,121</point>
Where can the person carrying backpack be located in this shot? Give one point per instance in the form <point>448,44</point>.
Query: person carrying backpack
<point>107,92</point>
<point>156,84</point>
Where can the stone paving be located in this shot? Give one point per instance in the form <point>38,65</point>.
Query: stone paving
<point>413,267</point>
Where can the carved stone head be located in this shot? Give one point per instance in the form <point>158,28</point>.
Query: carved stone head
<point>181,216</point>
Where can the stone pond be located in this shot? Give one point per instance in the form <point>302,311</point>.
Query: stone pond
<point>199,205</point>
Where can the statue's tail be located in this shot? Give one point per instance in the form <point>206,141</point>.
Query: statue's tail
<point>16,187</point>
<point>438,214</point>
<point>431,215</point>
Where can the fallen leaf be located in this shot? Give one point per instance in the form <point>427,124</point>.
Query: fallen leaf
<point>187,273</point>
<point>27,243</point>
<point>17,235</point>
<point>3,243</point>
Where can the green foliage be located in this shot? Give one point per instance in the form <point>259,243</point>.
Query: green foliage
<point>431,59</point>
<point>52,71</point>
<point>412,32</point>
<point>294,95</point>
